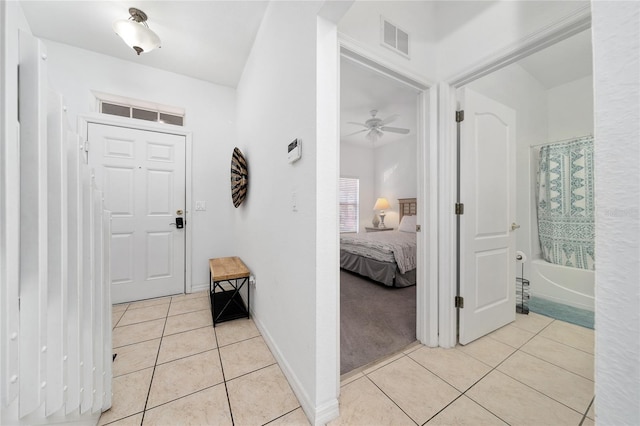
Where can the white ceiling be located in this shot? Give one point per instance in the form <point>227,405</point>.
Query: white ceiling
<point>211,40</point>
<point>362,90</point>
<point>208,40</point>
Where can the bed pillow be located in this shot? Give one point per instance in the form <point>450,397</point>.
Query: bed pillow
<point>407,224</point>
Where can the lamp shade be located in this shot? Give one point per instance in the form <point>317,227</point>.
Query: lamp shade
<point>136,35</point>
<point>381,204</point>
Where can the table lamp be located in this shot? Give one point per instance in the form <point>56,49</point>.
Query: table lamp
<point>381,204</point>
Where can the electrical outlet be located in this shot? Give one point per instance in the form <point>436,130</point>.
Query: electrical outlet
<point>201,206</point>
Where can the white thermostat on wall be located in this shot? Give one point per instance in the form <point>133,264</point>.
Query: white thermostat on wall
<point>295,150</point>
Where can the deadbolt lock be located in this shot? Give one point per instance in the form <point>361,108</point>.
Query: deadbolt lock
<point>179,212</point>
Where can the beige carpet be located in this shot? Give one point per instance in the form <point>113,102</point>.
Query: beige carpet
<point>375,320</point>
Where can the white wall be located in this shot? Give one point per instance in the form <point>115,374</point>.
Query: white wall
<point>395,173</point>
<point>516,88</point>
<point>616,42</point>
<point>570,109</point>
<point>357,161</point>
<point>289,249</point>
<point>362,24</point>
<point>210,115</point>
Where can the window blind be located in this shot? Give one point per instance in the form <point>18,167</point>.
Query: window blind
<point>349,204</point>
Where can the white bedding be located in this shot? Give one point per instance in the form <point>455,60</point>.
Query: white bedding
<point>387,246</point>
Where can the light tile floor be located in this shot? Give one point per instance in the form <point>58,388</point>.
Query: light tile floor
<point>173,368</point>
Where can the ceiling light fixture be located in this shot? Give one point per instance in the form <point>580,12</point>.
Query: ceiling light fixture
<point>136,33</point>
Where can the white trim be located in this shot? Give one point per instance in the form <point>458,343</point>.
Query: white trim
<point>562,29</point>
<point>132,123</point>
<point>447,224</point>
<point>357,52</point>
<point>427,278</point>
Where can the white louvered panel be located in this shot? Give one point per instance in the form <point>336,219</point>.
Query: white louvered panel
<point>98,338</point>
<point>33,224</point>
<point>106,315</point>
<point>9,216</point>
<point>86,324</point>
<point>57,250</point>
<point>74,289</point>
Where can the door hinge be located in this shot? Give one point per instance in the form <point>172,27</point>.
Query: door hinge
<point>86,146</point>
<point>418,228</point>
<point>459,208</point>
<point>459,302</point>
<point>459,116</point>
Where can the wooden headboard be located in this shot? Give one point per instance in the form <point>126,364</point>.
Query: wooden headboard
<point>407,206</point>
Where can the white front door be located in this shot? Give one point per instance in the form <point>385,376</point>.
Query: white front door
<point>487,190</point>
<point>142,176</point>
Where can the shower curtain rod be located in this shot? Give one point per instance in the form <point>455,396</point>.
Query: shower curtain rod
<point>561,140</point>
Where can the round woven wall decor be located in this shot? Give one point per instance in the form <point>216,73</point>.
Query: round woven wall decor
<point>239,177</point>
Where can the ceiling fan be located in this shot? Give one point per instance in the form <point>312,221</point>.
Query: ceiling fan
<point>375,127</point>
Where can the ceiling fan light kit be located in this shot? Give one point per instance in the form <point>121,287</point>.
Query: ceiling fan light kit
<point>375,127</point>
<point>136,32</point>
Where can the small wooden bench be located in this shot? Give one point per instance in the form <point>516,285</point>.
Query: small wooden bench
<point>226,301</point>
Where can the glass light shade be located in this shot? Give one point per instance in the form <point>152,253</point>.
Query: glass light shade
<point>381,204</point>
<point>136,35</point>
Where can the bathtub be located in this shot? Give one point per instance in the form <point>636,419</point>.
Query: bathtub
<point>562,284</point>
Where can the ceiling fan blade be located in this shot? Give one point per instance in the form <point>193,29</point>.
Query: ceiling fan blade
<point>389,119</point>
<point>359,124</point>
<point>395,130</point>
<point>355,133</point>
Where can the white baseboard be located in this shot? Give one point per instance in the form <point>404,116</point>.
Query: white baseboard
<point>199,287</point>
<point>316,415</point>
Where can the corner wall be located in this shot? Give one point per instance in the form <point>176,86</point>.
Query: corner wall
<point>286,231</point>
<point>616,44</point>
<point>570,109</point>
<point>396,172</point>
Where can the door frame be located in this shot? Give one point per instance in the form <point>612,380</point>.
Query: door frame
<point>447,177</point>
<point>427,201</point>
<point>132,123</point>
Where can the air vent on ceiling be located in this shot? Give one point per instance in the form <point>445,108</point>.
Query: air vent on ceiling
<point>393,37</point>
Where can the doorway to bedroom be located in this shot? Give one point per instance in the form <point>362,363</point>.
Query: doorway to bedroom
<point>379,187</point>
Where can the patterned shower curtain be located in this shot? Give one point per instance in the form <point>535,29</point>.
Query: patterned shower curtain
<point>565,203</point>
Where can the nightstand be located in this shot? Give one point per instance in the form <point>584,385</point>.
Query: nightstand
<point>369,229</point>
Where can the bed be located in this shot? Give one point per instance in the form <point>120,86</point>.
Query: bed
<point>386,257</point>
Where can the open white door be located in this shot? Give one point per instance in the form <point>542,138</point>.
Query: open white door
<point>487,190</point>
<point>142,176</point>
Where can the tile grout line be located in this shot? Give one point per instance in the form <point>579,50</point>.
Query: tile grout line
<point>224,378</point>
<point>146,402</point>
<point>281,416</point>
<point>584,416</point>
<point>388,397</point>
<point>489,372</point>
<point>525,384</point>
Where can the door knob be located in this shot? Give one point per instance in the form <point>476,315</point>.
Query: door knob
<point>514,226</point>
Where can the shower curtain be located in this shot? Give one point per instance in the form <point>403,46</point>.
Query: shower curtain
<point>565,203</point>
